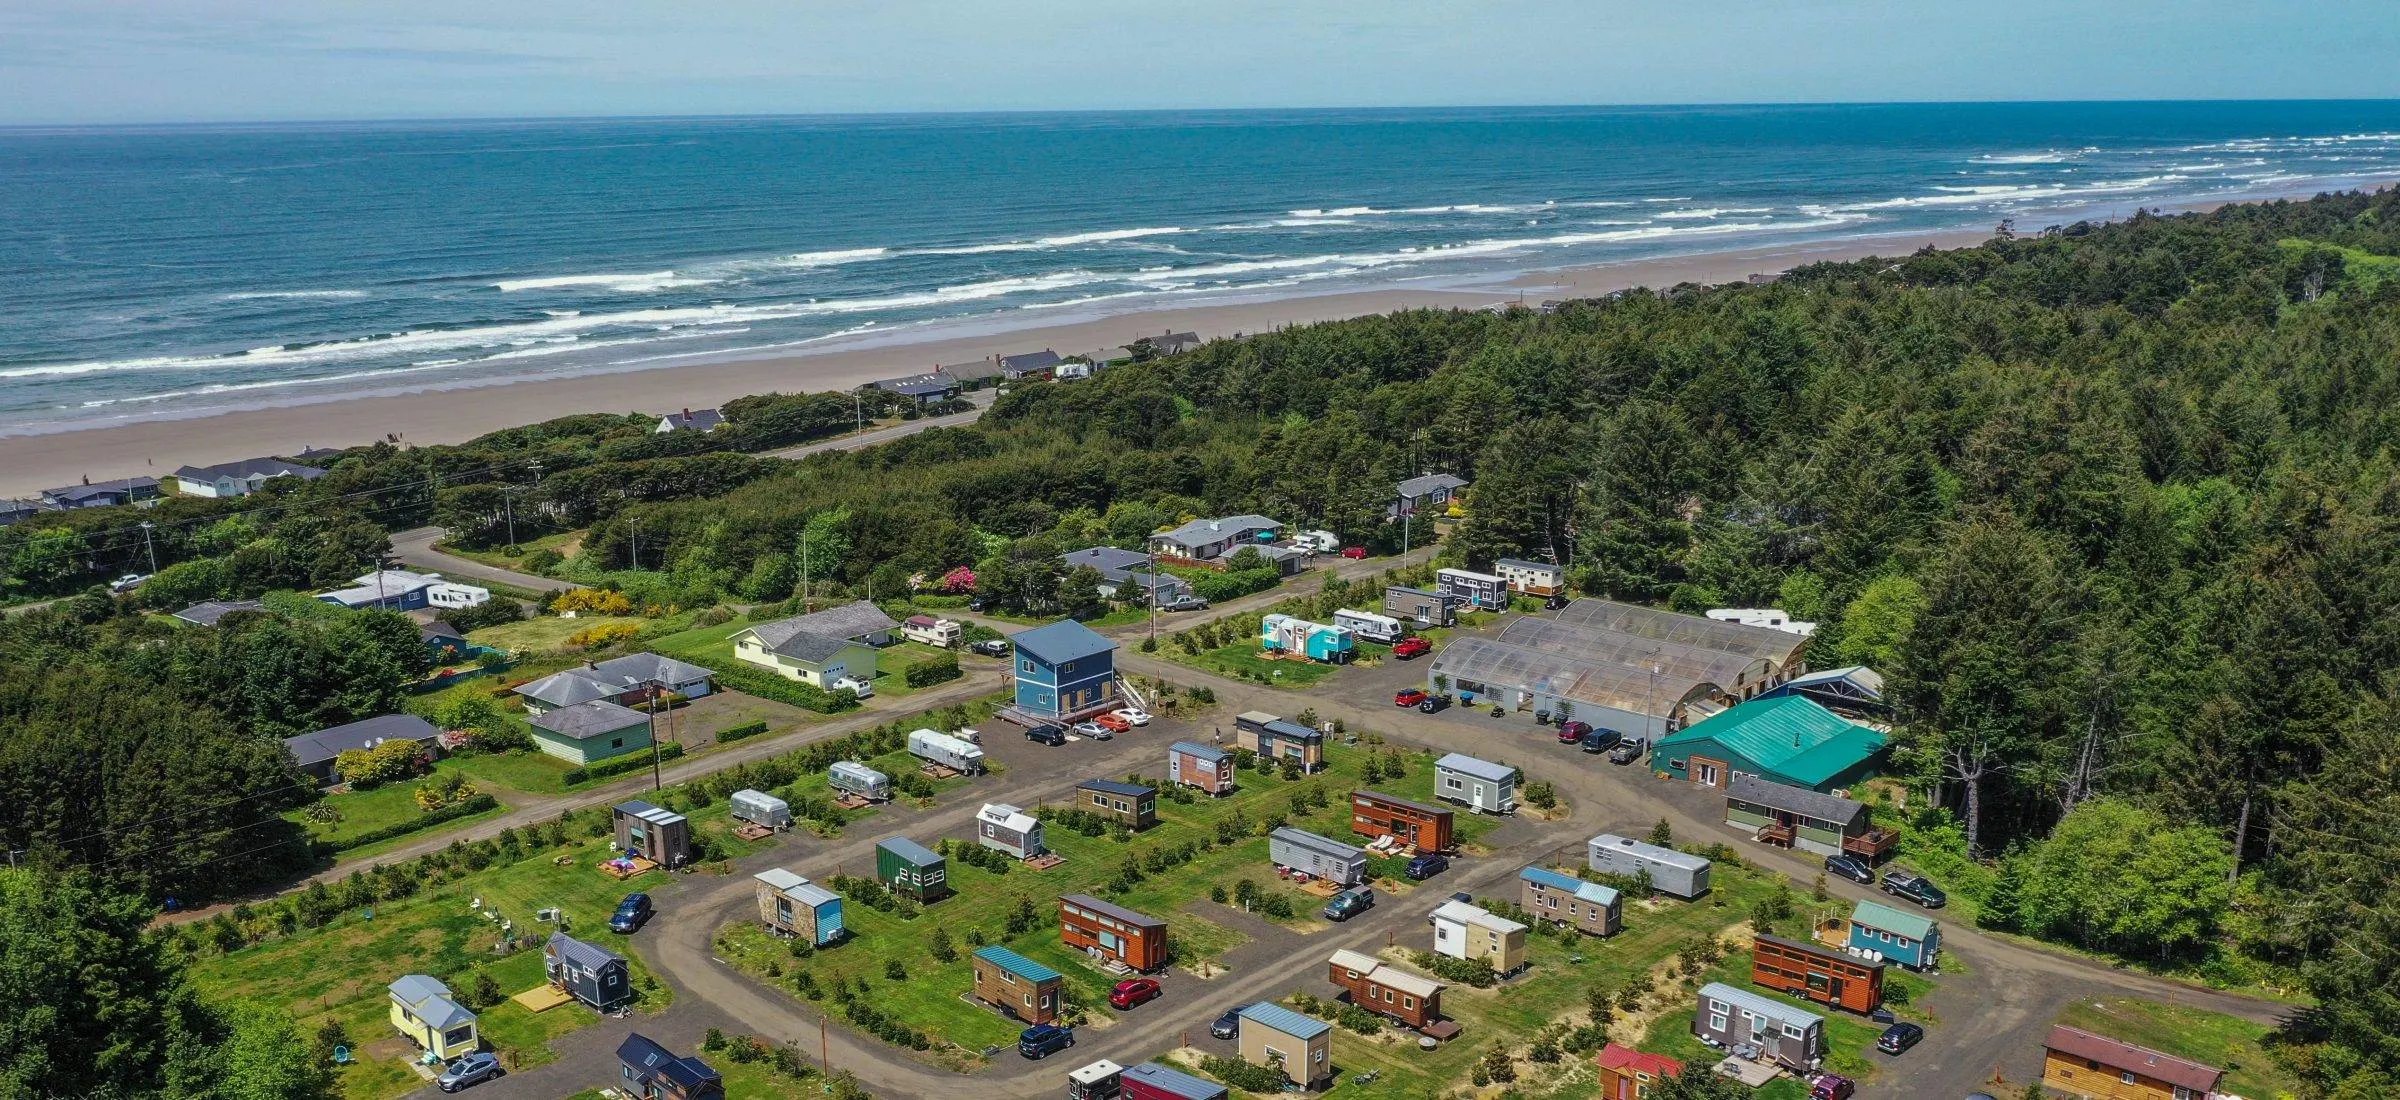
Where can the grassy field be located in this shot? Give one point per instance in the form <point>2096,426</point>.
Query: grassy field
<point>340,971</point>
<point>892,665</point>
<point>1242,662</point>
<point>524,770</point>
<point>564,542</point>
<point>715,641</point>
<point>929,996</point>
<point>2229,1043</point>
<point>546,633</point>
<point>507,777</point>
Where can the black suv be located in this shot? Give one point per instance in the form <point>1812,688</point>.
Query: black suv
<point>1897,1038</point>
<point>991,647</point>
<point>1914,887</point>
<point>631,914</point>
<point>1852,868</point>
<point>1048,735</point>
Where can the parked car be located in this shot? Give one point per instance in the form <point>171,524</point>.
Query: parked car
<point>1571,732</point>
<point>1600,741</point>
<point>858,687</point>
<point>1897,1038</point>
<point>1133,716</point>
<point>1185,603</point>
<point>1046,734</point>
<point>1230,1024</point>
<point>1428,865</point>
<point>1093,730</point>
<point>976,604</point>
<point>1434,703</point>
<point>128,582</point>
<point>1349,903</point>
<point>1832,1086</point>
<point>1043,1040</point>
<point>1354,553</point>
<point>1411,646</point>
<point>1408,697</point>
<point>991,647</point>
<point>631,914</point>
<point>1134,991</point>
<point>1914,887</point>
<point>469,1069</point>
<point>1850,867</point>
<point>1112,723</point>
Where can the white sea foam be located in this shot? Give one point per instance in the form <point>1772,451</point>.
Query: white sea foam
<point>259,295</point>
<point>1298,222</point>
<point>832,256</point>
<point>1339,212</point>
<point>1104,235</point>
<point>2053,156</point>
<point>1715,212</point>
<point>623,284</point>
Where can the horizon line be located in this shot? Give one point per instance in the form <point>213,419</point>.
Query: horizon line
<point>1038,112</point>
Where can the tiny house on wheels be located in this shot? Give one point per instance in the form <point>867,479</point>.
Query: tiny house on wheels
<point>1279,739</point>
<point>1193,764</point>
<point>591,973</point>
<point>1005,828</point>
<point>1317,856</point>
<point>1315,641</point>
<point>1565,899</point>
<point>911,870</point>
<point>1463,930</point>
<point>1131,804</point>
<point>852,777</point>
<point>2088,1064</point>
<point>1472,589</point>
<point>423,1009</point>
<point>790,905</point>
<point>648,832</point>
<point>1673,873</point>
<point>1385,989</point>
<point>935,747</point>
<point>1112,932</point>
<point>1016,985</point>
<point>1151,1081</point>
<point>1276,1037</point>
<point>1816,973</point>
<point>1413,824</point>
<point>1479,785</point>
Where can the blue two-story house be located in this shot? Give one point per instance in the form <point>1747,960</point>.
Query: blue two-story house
<point>1065,672</point>
<point>1904,938</point>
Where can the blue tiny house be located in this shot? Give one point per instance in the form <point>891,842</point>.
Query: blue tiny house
<point>1065,671</point>
<point>1887,933</point>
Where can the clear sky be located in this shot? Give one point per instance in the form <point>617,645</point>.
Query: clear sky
<point>64,61</point>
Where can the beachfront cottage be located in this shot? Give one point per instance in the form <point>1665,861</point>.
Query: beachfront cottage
<point>590,732</point>
<point>1385,989</point>
<point>1206,540</point>
<point>116,490</point>
<point>589,972</point>
<point>1409,824</point>
<point>1034,365</point>
<point>2087,1064</point>
<point>1727,1017</point>
<point>1564,899</point>
<point>790,905</point>
<point>1463,930</point>
<point>235,479</point>
<point>651,1072</point>
<point>820,647</point>
<point>314,753</point>
<point>1132,804</point>
<point>1112,933</point>
<point>1276,1037</point>
<point>1193,764</point>
<point>924,389</point>
<point>647,832</point>
<point>631,680</point>
<point>1479,785</point>
<point>1016,985</point>
<point>423,1009</point>
<point>690,420</point>
<point>1064,671</point>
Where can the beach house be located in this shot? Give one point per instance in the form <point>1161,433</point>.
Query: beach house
<point>690,420</point>
<point>821,647</point>
<point>1064,671</point>
<point>234,479</point>
<point>401,590</point>
<point>1130,576</point>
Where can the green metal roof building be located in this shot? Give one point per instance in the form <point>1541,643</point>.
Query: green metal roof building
<point>1787,739</point>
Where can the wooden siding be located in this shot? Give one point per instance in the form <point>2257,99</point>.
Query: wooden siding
<point>1826,977</point>
<point>1022,998</point>
<point>2077,1077</point>
<point>1373,815</point>
<point>1142,948</point>
<point>1561,907</point>
<point>1369,994</point>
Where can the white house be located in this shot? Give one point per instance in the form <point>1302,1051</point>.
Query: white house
<point>1479,785</point>
<point>234,479</point>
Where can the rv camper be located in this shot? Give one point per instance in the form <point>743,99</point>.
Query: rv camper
<point>852,777</point>
<point>1371,626</point>
<point>760,808</point>
<point>948,751</point>
<point>1673,873</point>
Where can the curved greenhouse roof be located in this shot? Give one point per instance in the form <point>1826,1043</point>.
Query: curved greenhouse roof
<point>1689,630</point>
<point>1730,671</point>
<point>1543,672</point>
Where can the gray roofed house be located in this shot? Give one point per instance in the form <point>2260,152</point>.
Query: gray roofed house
<point>207,612</point>
<point>115,490</point>
<point>1025,364</point>
<point>923,387</point>
<point>971,373</point>
<point>1122,569</point>
<point>1481,769</point>
<point>1203,539</point>
<point>1101,357</point>
<point>586,720</point>
<point>1797,800</point>
<point>1060,642</point>
<point>860,622</point>
<point>13,510</point>
<point>430,1000</point>
<point>616,679</point>
<point>1174,343</point>
<point>1425,486</point>
<point>651,1070</point>
<point>233,479</point>
<point>315,752</point>
<point>696,420</point>
<point>1112,562</point>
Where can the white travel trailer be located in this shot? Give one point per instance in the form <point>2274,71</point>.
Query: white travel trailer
<point>943,749</point>
<point>852,777</point>
<point>1371,626</point>
<point>759,808</point>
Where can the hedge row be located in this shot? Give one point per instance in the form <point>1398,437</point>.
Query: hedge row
<point>632,762</point>
<point>767,685</point>
<point>736,733</point>
<point>473,804</point>
<point>941,670</point>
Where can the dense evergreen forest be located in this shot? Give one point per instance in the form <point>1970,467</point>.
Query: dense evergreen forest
<point>2115,508</point>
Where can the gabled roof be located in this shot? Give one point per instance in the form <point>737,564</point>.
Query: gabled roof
<point>437,630</point>
<point>1205,530</point>
<point>1790,736</point>
<point>1270,1014</point>
<point>980,368</point>
<point>1481,769</point>
<point>1060,642</point>
<point>1111,786</point>
<point>1008,817</point>
<point>1114,564</point>
<point>588,719</point>
<point>206,613</point>
<point>1385,974</point>
<point>695,419</point>
<point>1029,360</point>
<point>1302,838</point>
<point>918,385</point>
<point>848,622</point>
<point>1420,486</point>
<point>1198,751</point>
<point>1588,891</point>
<point>1106,909</point>
<point>780,880</point>
<point>1884,918</point>
<point>1016,964</point>
<point>1798,800</point>
<point>588,955</point>
<point>652,1062</point>
<point>249,468</point>
<point>909,850</point>
<point>366,733</point>
<point>610,678</point>
<point>1464,913</point>
<point>2117,1054</point>
<point>431,1001</point>
<point>1764,1006</point>
<point>1849,680</point>
<point>1616,1057</point>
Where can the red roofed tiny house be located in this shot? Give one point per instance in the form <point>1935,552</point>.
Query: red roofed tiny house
<point>2082,1063</point>
<point>1627,1074</point>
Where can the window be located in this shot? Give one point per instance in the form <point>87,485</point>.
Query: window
<point>2126,1076</point>
<point>1028,667</point>
<point>1451,782</point>
<point>616,743</point>
<point>1716,1023</point>
<point>1409,1003</point>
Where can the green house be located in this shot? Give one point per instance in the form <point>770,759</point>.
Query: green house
<point>589,732</point>
<point>1788,740</point>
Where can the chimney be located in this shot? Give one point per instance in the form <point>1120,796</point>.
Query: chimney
<point>687,412</point>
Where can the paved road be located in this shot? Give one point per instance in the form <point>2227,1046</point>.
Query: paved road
<point>415,546</point>
<point>981,399</point>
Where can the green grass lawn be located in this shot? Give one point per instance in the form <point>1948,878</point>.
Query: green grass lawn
<point>545,633</point>
<point>1242,662</point>
<point>340,971</point>
<point>2229,1043</point>
<point>707,641</point>
<point>526,770</point>
<point>506,777</point>
<point>504,557</point>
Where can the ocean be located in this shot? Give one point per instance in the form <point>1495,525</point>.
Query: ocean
<point>170,270</point>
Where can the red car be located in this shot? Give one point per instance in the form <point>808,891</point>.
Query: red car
<point>1408,697</point>
<point>1354,553</point>
<point>1133,991</point>
<point>1112,723</point>
<point>1571,733</point>
<point>1411,647</point>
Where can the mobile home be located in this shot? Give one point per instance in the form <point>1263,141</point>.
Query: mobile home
<point>1193,764</point>
<point>943,633</point>
<point>935,747</point>
<point>1479,785</point>
<point>1673,873</point>
<point>759,808</point>
<point>911,870</point>
<point>852,777</point>
<point>1415,824</point>
<point>1371,626</point>
<point>1005,828</point>
<point>1112,932</point>
<point>1472,589</point>
<point>1317,856</point>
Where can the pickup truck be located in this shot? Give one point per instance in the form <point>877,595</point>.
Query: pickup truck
<point>1349,903</point>
<point>1914,887</point>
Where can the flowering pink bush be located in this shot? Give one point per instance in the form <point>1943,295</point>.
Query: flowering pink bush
<point>961,579</point>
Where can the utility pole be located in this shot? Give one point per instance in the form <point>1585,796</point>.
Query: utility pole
<point>146,546</point>
<point>634,532</point>
<point>655,782</point>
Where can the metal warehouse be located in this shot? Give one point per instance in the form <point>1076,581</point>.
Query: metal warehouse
<point>1630,700</point>
<point>1692,630</point>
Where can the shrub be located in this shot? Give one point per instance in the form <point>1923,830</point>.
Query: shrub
<point>929,673</point>
<point>1359,1020</point>
<point>1243,1075</point>
<point>367,768</point>
<point>622,765</point>
<point>603,635</point>
<point>731,734</point>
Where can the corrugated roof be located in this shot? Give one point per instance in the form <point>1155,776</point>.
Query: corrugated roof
<point>1285,1020</point>
<point>1884,918</point>
<point>1674,661</point>
<point>649,813</point>
<point>1199,751</point>
<point>431,1001</point>
<point>1111,786</point>
<point>1765,1006</point>
<point>1315,843</point>
<point>1016,964</point>
<point>1481,769</point>
<point>1175,1082</point>
<point>1693,630</point>
<point>1588,891</point>
<point>1385,974</point>
<point>1790,736</point>
<point>1060,642</point>
<point>909,850</point>
<point>1106,909</point>
<point>2120,1055</point>
<point>1560,675</point>
<point>779,879</point>
<point>1652,852</point>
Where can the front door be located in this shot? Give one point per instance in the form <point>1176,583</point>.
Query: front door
<point>1708,773</point>
<point>1834,987</point>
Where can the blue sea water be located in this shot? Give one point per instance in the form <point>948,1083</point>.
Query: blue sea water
<point>168,270</point>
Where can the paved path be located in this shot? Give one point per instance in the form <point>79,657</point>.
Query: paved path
<point>415,546</point>
<point>981,399</point>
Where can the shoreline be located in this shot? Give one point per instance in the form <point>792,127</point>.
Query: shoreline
<point>455,412</point>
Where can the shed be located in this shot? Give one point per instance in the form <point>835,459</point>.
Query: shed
<point>1385,989</point>
<point>1421,606</point>
<point>1463,930</point>
<point>759,808</point>
<point>423,1009</point>
<point>1317,856</point>
<point>1112,932</point>
<point>1016,985</point>
<point>660,836</point>
<point>852,777</point>
<point>1788,739</point>
<point>593,974</point>
<point>936,747</point>
<point>1130,803</point>
<point>1479,785</point>
<point>790,905</point>
<point>1565,899</point>
<point>1673,873</point>
<point>1193,764</point>
<point>1727,1017</point>
<point>1277,1037</point>
<point>1279,739</point>
<point>1151,1081</point>
<point>1878,931</point>
<point>1816,973</point>
<point>1472,589</point>
<point>1005,828</point>
<point>652,1072</point>
<point>911,870</point>
<point>2085,1063</point>
<point>1415,824</point>
<point>1811,821</point>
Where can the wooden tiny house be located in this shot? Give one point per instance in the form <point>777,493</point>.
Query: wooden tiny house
<point>1131,803</point>
<point>1814,973</point>
<point>1374,814</point>
<point>1016,985</point>
<point>2084,1064</point>
<point>1193,764</point>
<point>1112,932</point>
<point>1385,989</point>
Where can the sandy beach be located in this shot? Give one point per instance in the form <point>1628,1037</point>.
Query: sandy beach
<point>458,412</point>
